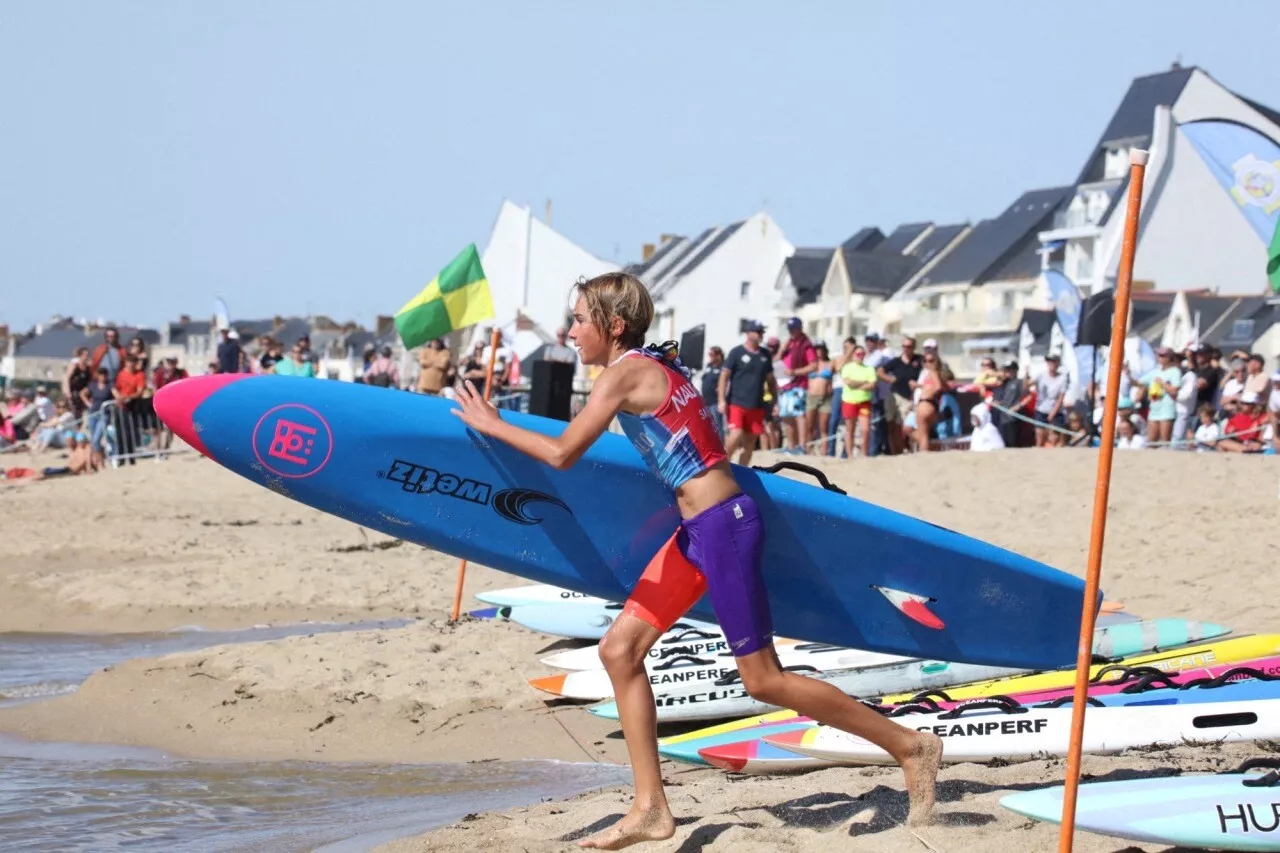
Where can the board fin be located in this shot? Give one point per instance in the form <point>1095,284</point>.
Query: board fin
<point>914,607</point>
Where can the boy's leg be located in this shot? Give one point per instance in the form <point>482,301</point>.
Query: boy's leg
<point>918,753</point>
<point>726,542</point>
<point>669,586</point>
<point>623,652</point>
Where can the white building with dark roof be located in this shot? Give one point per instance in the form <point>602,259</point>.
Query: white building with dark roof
<point>971,294</point>
<point>840,292</point>
<point>1194,233</point>
<point>719,279</point>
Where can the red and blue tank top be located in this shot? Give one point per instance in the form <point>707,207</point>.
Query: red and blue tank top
<point>678,440</point>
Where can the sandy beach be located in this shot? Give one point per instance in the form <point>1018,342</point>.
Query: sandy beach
<point>161,546</point>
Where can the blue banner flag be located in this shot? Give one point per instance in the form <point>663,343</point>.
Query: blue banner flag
<point>1067,307</point>
<point>1246,163</point>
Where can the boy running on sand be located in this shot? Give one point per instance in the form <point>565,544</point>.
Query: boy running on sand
<point>716,549</point>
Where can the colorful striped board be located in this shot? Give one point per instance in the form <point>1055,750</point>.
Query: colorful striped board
<point>1174,660</point>
<point>1218,812</point>
<point>405,465</point>
<point>758,757</point>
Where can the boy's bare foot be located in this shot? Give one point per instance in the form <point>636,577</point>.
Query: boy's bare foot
<point>636,826</point>
<point>921,769</point>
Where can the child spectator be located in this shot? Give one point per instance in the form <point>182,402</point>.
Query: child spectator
<point>986,436</point>
<point>1208,432</point>
<point>1079,436</point>
<point>1127,436</point>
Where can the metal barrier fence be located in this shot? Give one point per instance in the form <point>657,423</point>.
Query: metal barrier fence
<point>125,434</point>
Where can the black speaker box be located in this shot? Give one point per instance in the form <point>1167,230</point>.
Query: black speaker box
<point>1095,319</point>
<point>551,390</point>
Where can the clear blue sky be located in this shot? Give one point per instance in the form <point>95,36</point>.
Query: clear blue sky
<point>332,156</point>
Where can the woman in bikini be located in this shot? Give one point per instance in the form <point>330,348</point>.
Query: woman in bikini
<point>818,404</point>
<point>716,549</point>
<point>927,408</point>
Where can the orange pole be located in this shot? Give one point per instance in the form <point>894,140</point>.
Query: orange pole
<point>1102,489</point>
<point>494,340</point>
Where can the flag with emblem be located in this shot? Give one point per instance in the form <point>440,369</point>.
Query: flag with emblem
<point>456,298</point>
<point>1246,163</point>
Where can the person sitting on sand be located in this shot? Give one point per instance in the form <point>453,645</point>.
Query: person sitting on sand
<point>985,435</point>
<point>1127,436</point>
<point>1244,430</point>
<point>1208,432</point>
<point>1079,436</point>
<point>717,549</point>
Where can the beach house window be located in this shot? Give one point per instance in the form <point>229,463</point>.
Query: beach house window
<point>1242,330</point>
<point>744,290</point>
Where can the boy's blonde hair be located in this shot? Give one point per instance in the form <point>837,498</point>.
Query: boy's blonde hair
<point>621,295</point>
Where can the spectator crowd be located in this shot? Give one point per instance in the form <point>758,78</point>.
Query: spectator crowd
<point>797,397</point>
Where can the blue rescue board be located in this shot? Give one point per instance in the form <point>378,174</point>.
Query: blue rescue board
<point>404,465</point>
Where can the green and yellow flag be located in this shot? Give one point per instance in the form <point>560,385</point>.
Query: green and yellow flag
<point>1273,264</point>
<point>456,298</point>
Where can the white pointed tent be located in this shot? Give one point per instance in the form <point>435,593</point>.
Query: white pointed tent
<point>531,268</point>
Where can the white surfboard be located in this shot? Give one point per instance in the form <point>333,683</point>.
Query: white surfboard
<point>978,732</point>
<point>712,701</point>
<point>675,666</point>
<point>538,593</point>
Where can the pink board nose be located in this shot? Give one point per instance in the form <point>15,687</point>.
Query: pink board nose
<point>176,404</point>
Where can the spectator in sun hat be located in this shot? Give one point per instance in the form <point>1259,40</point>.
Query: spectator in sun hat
<point>1232,385</point>
<point>930,347</point>
<point>1162,392</point>
<point>1244,429</point>
<point>44,405</point>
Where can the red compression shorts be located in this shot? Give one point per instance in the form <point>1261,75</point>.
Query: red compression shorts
<point>669,586</point>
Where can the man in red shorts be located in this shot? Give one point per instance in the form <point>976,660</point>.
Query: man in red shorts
<point>747,372</point>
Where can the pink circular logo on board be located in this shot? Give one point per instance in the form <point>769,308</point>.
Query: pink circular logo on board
<point>292,441</point>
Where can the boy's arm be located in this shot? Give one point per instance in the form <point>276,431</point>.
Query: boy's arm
<point>561,451</point>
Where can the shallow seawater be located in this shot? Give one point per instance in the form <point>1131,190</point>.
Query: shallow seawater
<point>35,665</point>
<point>77,797</point>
